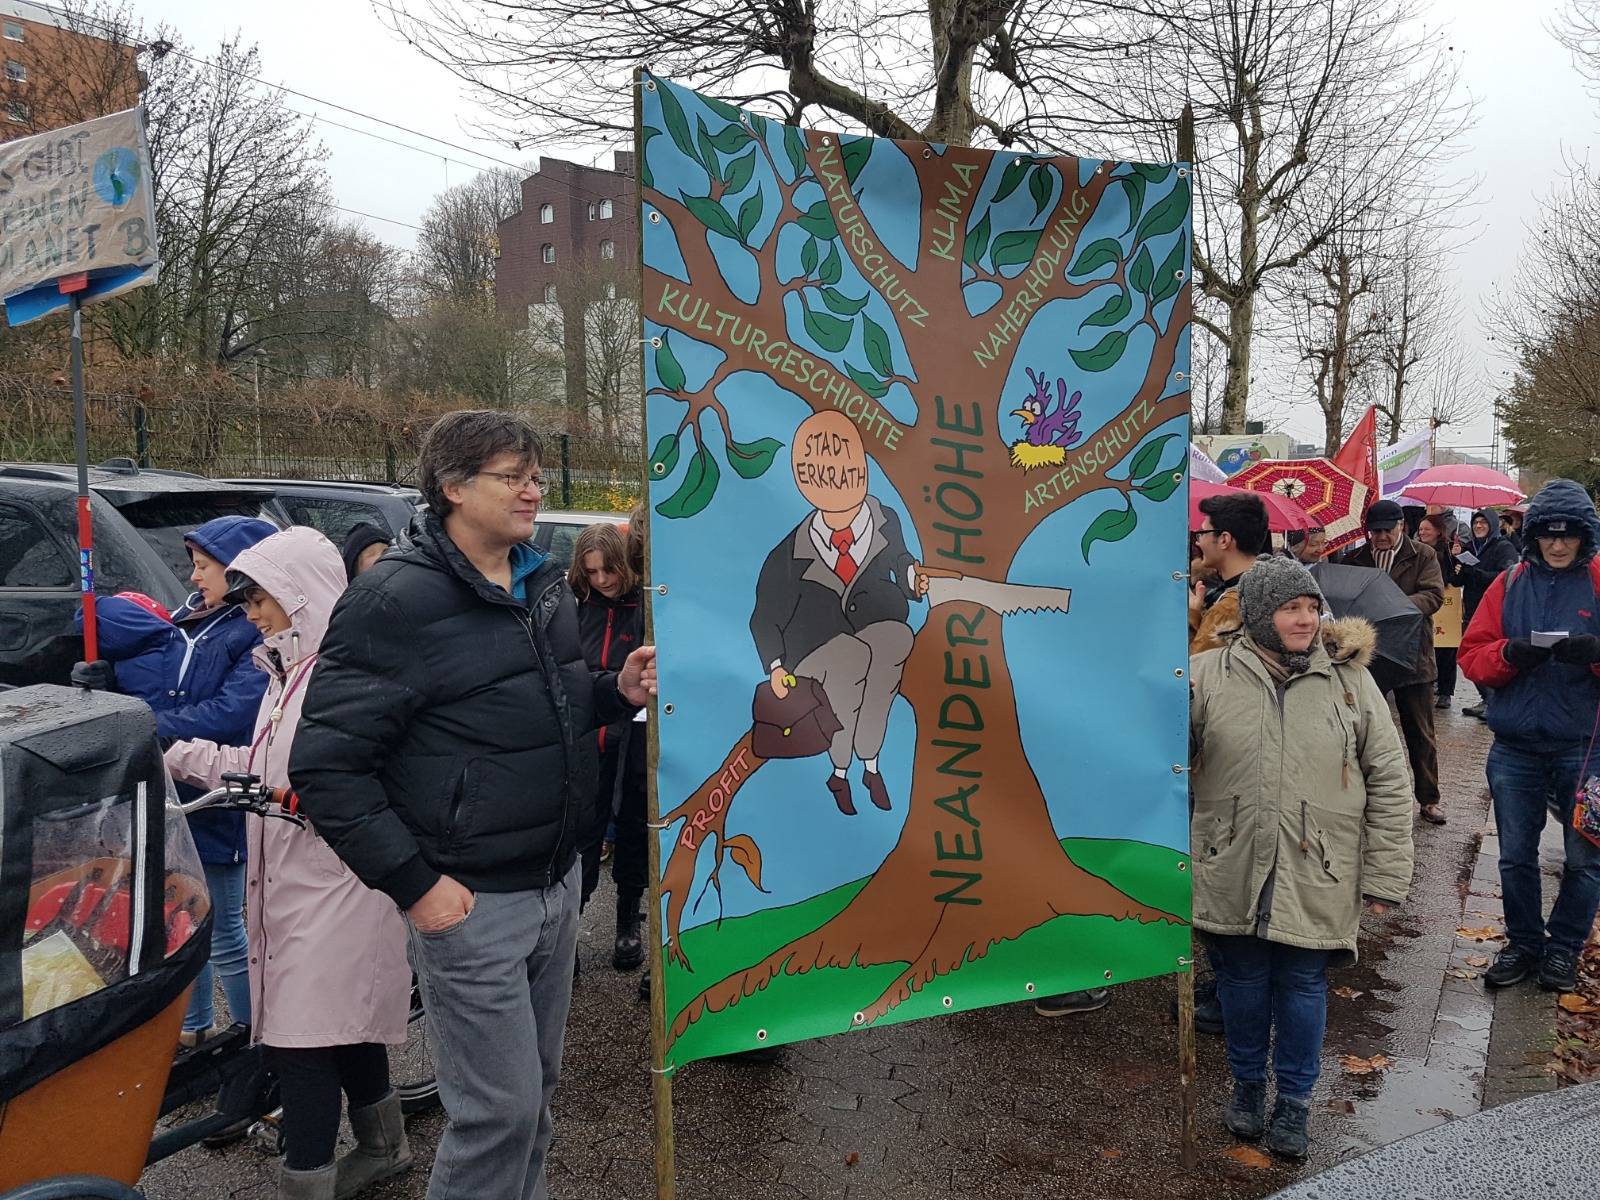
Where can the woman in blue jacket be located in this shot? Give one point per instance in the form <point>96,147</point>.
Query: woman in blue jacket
<point>213,695</point>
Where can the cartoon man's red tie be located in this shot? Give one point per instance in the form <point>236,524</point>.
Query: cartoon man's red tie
<point>845,566</point>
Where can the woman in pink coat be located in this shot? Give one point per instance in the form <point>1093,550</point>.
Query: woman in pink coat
<point>329,982</point>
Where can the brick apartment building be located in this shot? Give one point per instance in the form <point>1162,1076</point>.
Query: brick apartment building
<point>575,220</point>
<point>59,69</point>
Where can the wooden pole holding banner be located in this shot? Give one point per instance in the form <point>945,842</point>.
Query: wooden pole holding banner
<point>660,1074</point>
<point>1187,1067</point>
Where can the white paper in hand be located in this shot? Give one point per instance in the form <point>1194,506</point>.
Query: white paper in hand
<point>1547,637</point>
<point>1468,558</point>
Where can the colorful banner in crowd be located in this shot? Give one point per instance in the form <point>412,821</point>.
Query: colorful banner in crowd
<point>1402,462</point>
<point>1233,452</point>
<point>917,418</point>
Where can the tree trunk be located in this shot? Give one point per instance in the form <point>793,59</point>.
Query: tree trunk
<point>1236,391</point>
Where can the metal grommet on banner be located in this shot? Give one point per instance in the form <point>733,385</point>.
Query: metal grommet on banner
<point>927,152</point>
<point>661,589</point>
<point>1108,974</point>
<point>1177,274</point>
<point>1185,962</point>
<point>649,85</point>
<point>761,1035</point>
<point>1179,576</point>
<point>668,708</point>
<point>1178,768</point>
<point>947,1001</point>
<point>1179,376</point>
<point>859,1019</point>
<point>1183,172</point>
<point>654,341</point>
<point>1177,672</point>
<point>1028,987</point>
<point>655,217</point>
<point>1183,866</point>
<point>659,468</point>
<point>827,141</point>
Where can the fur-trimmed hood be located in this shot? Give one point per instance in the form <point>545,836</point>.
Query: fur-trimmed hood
<point>1350,640</point>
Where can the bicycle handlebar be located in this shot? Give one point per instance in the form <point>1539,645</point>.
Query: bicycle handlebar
<point>244,793</point>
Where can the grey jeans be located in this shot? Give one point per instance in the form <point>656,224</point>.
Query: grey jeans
<point>860,675</point>
<point>497,988</point>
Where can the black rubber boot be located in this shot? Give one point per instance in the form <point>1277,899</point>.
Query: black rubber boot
<point>628,952</point>
<point>1246,1114</point>
<point>1287,1136</point>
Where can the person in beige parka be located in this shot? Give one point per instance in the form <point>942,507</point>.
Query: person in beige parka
<point>1302,808</point>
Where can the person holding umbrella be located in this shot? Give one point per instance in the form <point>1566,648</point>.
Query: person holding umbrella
<point>1415,568</point>
<point>1535,644</point>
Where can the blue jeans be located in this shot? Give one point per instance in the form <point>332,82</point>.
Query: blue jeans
<point>229,951</point>
<point>1266,988</point>
<point>1529,787</point>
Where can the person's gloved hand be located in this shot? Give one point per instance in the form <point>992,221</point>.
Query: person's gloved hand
<point>1523,654</point>
<point>1581,649</point>
<point>96,676</point>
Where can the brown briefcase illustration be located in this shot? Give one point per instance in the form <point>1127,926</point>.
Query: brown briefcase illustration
<point>797,726</point>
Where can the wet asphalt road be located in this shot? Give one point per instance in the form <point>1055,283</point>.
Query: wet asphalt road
<point>997,1103</point>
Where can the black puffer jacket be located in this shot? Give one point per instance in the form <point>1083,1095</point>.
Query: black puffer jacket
<point>440,732</point>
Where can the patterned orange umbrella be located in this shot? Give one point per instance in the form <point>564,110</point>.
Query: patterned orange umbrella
<point>1333,499</point>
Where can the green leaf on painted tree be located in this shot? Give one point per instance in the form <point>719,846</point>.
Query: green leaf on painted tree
<point>1150,172</point>
<point>1169,274</point>
<point>677,123</point>
<point>646,176</point>
<point>1168,213</point>
<point>818,222</point>
<point>1110,526</point>
<point>1149,457</point>
<point>1103,354</point>
<point>708,152</point>
<point>722,108</point>
<point>1112,311</point>
<point>668,372</point>
<point>1041,186</point>
<point>750,216</point>
<point>751,459</point>
<point>808,257</point>
<point>827,331</point>
<point>1142,271</point>
<point>1014,247</point>
<point>1010,179</point>
<point>831,268</point>
<point>876,342</point>
<point>1159,487</point>
<point>664,457</point>
<point>977,242</point>
<point>712,215</point>
<point>698,486</point>
<point>730,138</point>
<point>1133,187</point>
<point>794,145</point>
<point>1096,255</point>
<point>855,154</point>
<point>842,304</point>
<point>740,171</point>
<point>870,384</point>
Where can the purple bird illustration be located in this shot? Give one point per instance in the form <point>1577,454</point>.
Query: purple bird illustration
<point>1046,423</point>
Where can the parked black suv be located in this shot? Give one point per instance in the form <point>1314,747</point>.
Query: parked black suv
<point>139,522</point>
<point>334,507</point>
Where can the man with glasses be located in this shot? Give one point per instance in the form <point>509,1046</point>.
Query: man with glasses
<point>1232,535</point>
<point>439,755</point>
<point>1535,642</point>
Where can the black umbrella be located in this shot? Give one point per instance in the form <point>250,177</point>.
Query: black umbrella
<point>1370,594</point>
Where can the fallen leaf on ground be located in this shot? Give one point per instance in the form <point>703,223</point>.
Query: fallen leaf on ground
<point>1477,960</point>
<point>1458,973</point>
<point>1342,1106</point>
<point>1482,933</point>
<point>1249,1156</point>
<point>1575,1003</point>
<point>1349,993</point>
<point>1109,1155</point>
<point>852,1158</point>
<point>1364,1066</point>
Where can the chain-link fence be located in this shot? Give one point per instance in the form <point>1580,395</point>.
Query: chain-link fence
<point>231,438</point>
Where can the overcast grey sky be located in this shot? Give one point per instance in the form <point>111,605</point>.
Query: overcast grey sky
<point>1532,110</point>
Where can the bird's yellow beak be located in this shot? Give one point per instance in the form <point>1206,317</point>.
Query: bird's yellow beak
<point>1027,417</point>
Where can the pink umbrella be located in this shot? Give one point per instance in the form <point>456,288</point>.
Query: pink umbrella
<point>1458,485</point>
<point>1283,514</point>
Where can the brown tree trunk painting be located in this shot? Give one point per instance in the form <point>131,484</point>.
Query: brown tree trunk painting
<point>977,861</point>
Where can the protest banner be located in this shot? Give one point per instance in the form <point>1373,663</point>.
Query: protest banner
<point>1447,621</point>
<point>917,426</point>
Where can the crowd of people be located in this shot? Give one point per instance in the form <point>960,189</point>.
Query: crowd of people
<point>462,722</point>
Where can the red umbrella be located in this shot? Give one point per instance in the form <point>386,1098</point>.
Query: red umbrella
<point>1282,514</point>
<point>1334,499</point>
<point>1459,485</point>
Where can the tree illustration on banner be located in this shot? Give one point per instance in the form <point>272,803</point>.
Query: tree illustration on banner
<point>918,428</point>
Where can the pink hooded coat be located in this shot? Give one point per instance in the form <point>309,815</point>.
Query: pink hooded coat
<point>327,954</point>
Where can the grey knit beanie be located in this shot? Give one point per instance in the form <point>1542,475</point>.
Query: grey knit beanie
<point>1266,587</point>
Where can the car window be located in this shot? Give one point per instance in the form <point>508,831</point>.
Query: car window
<point>332,516</point>
<point>563,538</point>
<point>29,556</point>
<point>162,520</point>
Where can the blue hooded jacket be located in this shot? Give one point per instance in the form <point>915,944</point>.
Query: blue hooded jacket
<point>214,690</point>
<point>145,649</point>
<point>1555,705</point>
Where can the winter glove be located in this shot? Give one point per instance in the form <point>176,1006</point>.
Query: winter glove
<point>1523,654</point>
<point>1581,650</point>
<point>96,676</point>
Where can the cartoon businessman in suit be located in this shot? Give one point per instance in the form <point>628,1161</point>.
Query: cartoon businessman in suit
<point>833,598</point>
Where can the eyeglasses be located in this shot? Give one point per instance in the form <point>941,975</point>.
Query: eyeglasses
<point>1202,532</point>
<point>517,482</point>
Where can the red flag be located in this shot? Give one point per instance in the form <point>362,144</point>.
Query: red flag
<point>1359,455</point>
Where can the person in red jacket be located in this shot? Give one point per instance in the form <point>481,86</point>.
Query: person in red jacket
<point>1535,641</point>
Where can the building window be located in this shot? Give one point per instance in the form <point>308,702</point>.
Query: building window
<point>549,293</point>
<point>547,214</point>
<point>608,249</point>
<point>548,252</point>
<point>17,111</point>
<point>591,212</point>
<point>13,31</point>
<point>605,210</point>
<point>15,71</point>
<point>611,290</point>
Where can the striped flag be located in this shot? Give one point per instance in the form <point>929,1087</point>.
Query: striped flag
<point>1402,462</point>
